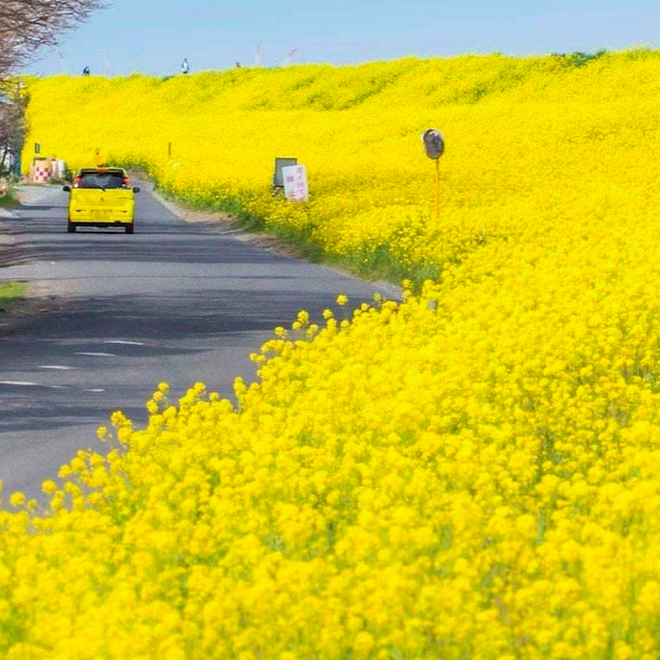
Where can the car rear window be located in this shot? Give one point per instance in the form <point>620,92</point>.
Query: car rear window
<point>101,180</point>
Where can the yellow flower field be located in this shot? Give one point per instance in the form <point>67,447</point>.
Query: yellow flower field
<point>472,473</point>
<point>525,137</point>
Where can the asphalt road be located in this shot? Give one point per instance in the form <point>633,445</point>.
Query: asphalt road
<point>176,301</point>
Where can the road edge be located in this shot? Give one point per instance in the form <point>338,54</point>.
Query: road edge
<point>39,298</point>
<point>264,241</point>
<point>7,240</point>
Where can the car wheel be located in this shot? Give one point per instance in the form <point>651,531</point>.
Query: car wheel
<point>71,227</point>
<point>129,229</point>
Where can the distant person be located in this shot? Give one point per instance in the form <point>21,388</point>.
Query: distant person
<point>185,67</point>
<point>86,71</point>
<point>238,65</point>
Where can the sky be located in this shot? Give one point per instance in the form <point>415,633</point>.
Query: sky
<point>153,36</point>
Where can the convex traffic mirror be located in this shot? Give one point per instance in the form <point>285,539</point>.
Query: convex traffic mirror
<point>434,143</point>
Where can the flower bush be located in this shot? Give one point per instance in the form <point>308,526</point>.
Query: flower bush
<point>471,473</point>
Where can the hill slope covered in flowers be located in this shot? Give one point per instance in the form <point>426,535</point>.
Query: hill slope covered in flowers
<point>526,137</point>
<point>470,474</point>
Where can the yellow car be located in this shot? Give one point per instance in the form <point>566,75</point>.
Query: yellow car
<point>102,197</point>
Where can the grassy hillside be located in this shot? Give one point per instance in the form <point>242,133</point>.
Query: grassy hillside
<point>525,136</point>
<point>470,474</point>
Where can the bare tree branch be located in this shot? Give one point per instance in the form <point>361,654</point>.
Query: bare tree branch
<point>27,25</point>
<point>13,127</point>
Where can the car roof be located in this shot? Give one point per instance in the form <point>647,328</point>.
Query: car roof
<point>103,170</point>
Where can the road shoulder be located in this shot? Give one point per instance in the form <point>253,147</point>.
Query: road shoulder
<point>227,225</point>
<point>36,298</point>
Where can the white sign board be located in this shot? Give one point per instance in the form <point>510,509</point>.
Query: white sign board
<point>295,183</point>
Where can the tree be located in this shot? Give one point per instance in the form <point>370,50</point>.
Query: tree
<point>13,127</point>
<point>27,25</point>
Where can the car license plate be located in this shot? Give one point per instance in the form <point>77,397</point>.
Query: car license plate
<point>101,215</point>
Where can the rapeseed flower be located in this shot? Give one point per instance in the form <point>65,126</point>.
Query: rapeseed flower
<point>472,472</point>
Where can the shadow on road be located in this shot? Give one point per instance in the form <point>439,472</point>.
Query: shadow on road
<point>76,411</point>
<point>183,318</point>
<point>154,241</point>
<point>175,301</point>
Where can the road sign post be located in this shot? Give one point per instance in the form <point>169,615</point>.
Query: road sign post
<point>278,178</point>
<point>437,188</point>
<point>434,145</point>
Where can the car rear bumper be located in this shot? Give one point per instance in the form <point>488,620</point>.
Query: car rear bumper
<point>100,215</point>
<point>101,223</point>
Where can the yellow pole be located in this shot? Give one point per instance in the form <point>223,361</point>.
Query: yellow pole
<point>437,189</point>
